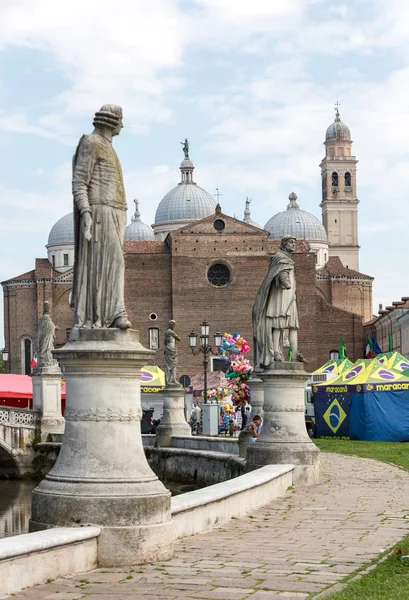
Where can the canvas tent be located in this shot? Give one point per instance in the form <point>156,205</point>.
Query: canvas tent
<point>17,391</point>
<point>368,401</point>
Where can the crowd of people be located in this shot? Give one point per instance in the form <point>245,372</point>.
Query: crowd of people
<point>231,423</point>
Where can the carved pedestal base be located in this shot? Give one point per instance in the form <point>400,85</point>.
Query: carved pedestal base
<point>284,438</point>
<point>101,476</point>
<point>47,400</point>
<point>173,420</point>
<point>257,396</point>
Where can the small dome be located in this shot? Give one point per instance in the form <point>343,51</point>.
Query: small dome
<point>63,231</point>
<point>294,221</point>
<point>187,201</point>
<point>137,230</point>
<point>337,131</point>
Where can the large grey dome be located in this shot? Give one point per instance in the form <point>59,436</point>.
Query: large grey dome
<point>294,221</point>
<point>337,131</point>
<point>137,230</point>
<point>63,231</point>
<point>187,201</point>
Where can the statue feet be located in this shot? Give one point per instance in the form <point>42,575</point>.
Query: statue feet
<point>278,357</point>
<point>299,358</point>
<point>122,323</point>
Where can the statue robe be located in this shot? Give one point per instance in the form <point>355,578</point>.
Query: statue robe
<point>99,268</point>
<point>274,307</point>
<point>171,356</point>
<point>44,342</point>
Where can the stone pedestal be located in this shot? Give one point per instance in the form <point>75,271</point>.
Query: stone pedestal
<point>101,476</point>
<point>257,401</point>
<point>173,421</point>
<point>284,438</point>
<point>257,396</point>
<point>47,399</point>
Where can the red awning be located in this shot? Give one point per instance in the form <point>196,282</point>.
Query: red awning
<point>19,386</point>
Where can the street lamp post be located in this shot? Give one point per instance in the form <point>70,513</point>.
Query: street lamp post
<point>204,348</point>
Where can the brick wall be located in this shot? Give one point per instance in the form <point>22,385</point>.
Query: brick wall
<point>170,279</point>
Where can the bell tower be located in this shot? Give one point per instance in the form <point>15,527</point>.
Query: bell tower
<point>339,201</point>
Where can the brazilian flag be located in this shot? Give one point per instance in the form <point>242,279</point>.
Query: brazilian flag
<point>342,352</point>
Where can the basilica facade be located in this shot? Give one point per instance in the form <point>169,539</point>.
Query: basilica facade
<point>196,263</point>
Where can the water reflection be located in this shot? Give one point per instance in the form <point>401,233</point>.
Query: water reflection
<point>15,503</point>
<point>15,506</point>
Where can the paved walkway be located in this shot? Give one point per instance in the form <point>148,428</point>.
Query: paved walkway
<point>289,550</point>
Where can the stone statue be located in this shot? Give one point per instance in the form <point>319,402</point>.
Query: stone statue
<point>99,224</point>
<point>44,342</point>
<point>171,354</point>
<point>185,148</point>
<point>275,308</point>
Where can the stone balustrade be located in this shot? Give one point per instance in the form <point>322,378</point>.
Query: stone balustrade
<point>19,417</point>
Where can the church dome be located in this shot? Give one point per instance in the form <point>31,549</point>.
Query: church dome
<point>294,221</point>
<point>137,230</point>
<point>337,130</point>
<point>62,232</point>
<point>186,202</point>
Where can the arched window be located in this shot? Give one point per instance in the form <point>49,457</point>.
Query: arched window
<point>26,355</point>
<point>348,180</point>
<point>334,179</point>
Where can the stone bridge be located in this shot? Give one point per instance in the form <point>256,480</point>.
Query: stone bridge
<point>19,429</point>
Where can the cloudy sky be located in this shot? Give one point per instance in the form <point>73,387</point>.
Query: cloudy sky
<point>252,84</point>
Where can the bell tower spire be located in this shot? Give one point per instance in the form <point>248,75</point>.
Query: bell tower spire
<point>339,200</point>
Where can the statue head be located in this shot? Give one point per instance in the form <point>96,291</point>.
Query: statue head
<point>109,117</point>
<point>46,308</point>
<point>288,243</point>
<point>172,324</point>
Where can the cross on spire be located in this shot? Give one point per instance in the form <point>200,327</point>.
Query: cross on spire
<point>337,105</point>
<point>218,194</point>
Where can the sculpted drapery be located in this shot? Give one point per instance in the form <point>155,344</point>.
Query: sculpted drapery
<point>275,308</point>
<point>99,225</point>
<point>45,337</point>
<point>171,354</point>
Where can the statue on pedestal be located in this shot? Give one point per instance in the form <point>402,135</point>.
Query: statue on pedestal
<point>185,147</point>
<point>171,354</point>
<point>45,337</point>
<point>275,308</point>
<point>99,224</point>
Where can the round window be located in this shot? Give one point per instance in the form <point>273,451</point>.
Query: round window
<point>219,224</point>
<point>218,275</point>
<point>153,316</point>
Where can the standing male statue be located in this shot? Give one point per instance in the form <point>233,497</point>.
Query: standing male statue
<point>171,354</point>
<point>185,148</point>
<point>275,308</point>
<point>45,337</point>
<point>99,223</point>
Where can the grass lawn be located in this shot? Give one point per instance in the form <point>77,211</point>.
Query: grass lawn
<point>390,579</point>
<point>396,453</point>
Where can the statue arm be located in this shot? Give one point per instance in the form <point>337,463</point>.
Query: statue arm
<point>84,163</point>
<point>284,280</point>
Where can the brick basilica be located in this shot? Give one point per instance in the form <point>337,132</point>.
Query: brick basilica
<point>198,263</point>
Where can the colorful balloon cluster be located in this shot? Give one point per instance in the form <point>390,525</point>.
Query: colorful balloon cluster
<point>232,350</point>
<point>217,394</point>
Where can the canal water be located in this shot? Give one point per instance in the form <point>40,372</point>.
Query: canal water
<point>15,504</point>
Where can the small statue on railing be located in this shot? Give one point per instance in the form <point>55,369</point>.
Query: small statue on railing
<point>171,354</point>
<point>45,338</point>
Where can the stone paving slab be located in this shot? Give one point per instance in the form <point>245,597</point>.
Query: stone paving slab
<point>292,549</point>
